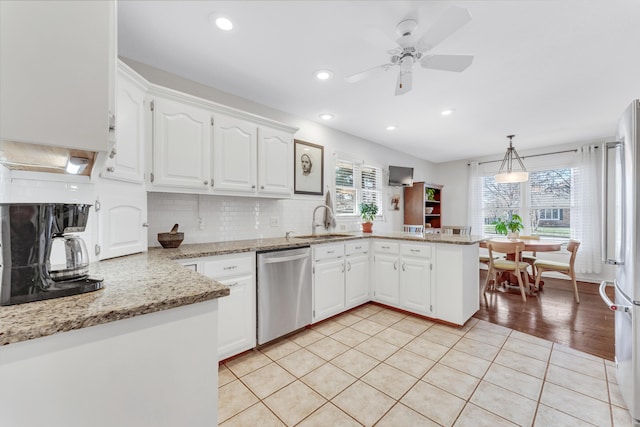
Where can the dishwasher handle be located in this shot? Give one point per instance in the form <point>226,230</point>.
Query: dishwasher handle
<point>276,260</point>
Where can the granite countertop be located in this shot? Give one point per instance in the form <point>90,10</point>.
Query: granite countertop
<point>152,281</point>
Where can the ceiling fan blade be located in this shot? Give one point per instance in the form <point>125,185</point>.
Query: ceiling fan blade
<point>447,62</point>
<point>353,78</point>
<point>404,83</point>
<point>449,23</point>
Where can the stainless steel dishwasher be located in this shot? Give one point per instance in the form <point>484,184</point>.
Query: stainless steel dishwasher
<point>284,292</point>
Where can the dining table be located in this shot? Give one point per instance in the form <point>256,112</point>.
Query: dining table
<point>530,245</point>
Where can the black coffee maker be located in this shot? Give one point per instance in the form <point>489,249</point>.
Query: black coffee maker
<point>27,234</point>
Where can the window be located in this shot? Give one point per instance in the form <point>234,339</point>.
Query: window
<point>544,202</point>
<point>356,183</point>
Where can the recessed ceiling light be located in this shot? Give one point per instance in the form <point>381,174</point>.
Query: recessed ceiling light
<point>223,23</point>
<point>323,74</point>
<point>391,127</point>
<point>447,112</point>
<point>326,116</point>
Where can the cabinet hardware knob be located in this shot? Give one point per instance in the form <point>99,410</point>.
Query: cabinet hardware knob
<point>206,183</point>
<point>395,265</point>
<point>253,186</point>
<point>403,264</point>
<point>110,169</point>
<point>145,224</point>
<point>262,187</point>
<point>112,154</point>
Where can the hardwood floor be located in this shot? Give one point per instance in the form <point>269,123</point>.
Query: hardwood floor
<point>554,315</point>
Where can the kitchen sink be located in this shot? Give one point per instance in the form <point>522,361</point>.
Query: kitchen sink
<point>322,236</point>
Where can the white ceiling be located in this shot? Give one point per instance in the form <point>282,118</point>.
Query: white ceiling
<point>551,72</point>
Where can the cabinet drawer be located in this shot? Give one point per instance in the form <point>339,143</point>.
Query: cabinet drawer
<point>229,266</point>
<point>387,247</point>
<point>328,251</point>
<point>358,247</point>
<point>422,251</point>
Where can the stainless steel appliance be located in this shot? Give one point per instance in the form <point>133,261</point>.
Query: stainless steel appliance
<point>284,292</point>
<point>28,232</point>
<point>621,214</point>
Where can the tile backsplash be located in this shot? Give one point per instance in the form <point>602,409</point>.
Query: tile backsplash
<point>205,218</point>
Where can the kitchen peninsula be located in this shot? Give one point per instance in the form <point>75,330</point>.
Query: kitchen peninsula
<point>142,351</point>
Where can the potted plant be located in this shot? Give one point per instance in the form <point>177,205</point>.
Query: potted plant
<point>431,193</point>
<point>509,226</point>
<point>368,213</point>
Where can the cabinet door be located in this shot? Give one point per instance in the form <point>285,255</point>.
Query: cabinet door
<point>234,157</point>
<point>275,151</point>
<point>357,280</point>
<point>125,162</point>
<point>386,277</point>
<point>328,288</point>
<point>57,76</point>
<point>415,285</point>
<point>122,220</point>
<point>237,314</point>
<point>181,140</point>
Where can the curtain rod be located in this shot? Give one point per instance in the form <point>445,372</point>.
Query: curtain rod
<point>575,150</point>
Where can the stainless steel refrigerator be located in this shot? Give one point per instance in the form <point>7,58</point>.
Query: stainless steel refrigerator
<point>621,237</point>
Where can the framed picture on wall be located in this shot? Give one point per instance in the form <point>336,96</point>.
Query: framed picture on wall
<point>308,167</point>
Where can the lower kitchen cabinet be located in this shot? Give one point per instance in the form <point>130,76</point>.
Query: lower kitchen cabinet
<point>356,280</point>
<point>340,277</point>
<point>236,312</point>
<point>402,276</point>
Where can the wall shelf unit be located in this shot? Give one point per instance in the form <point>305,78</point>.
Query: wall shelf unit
<point>423,205</point>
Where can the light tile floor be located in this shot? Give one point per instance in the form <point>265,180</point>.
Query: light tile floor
<point>375,366</point>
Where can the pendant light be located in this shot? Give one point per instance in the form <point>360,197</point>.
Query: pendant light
<point>507,175</point>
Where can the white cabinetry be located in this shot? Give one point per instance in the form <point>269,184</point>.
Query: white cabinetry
<point>275,154</point>
<point>356,280</point>
<point>126,160</point>
<point>386,278</point>
<point>402,275</point>
<point>181,146</point>
<point>234,155</point>
<point>202,147</point>
<point>415,278</point>
<point>328,280</point>
<point>457,282</point>
<point>237,312</point>
<point>57,72</point>
<point>122,219</point>
<point>340,277</point>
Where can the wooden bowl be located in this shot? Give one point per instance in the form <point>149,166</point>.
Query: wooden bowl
<point>170,240</point>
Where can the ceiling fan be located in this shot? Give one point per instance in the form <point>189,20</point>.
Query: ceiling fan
<point>413,49</point>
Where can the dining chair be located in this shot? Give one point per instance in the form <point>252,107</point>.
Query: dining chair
<point>543,265</point>
<point>413,228</point>
<point>500,265</point>
<point>457,229</point>
<point>530,259</point>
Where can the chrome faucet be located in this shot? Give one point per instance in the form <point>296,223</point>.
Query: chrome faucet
<point>315,224</point>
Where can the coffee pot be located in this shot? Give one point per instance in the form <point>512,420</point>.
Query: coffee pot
<point>28,234</point>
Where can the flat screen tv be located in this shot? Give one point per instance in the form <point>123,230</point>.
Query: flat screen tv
<point>400,176</point>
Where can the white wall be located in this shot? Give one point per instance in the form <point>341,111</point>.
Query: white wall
<point>233,218</point>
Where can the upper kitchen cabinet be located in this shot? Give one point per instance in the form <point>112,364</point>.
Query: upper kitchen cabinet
<point>275,154</point>
<point>57,73</point>
<point>125,161</point>
<point>181,146</point>
<point>234,155</point>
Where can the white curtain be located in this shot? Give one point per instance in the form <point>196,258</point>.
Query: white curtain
<point>474,212</point>
<point>585,210</point>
